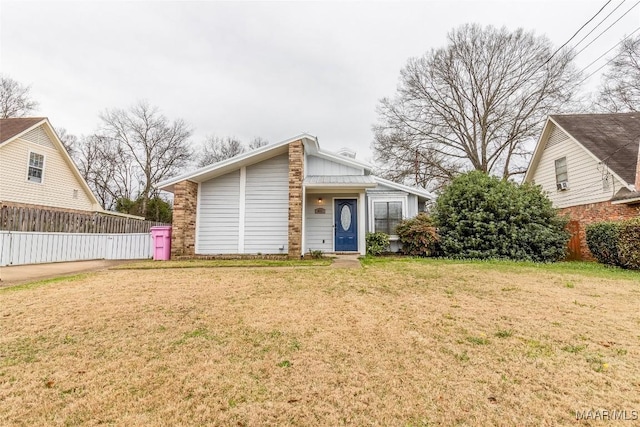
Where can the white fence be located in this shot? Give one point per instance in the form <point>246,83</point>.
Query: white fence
<point>17,247</point>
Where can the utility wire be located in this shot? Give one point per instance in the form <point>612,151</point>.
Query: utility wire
<point>614,46</point>
<point>572,37</point>
<point>596,27</point>
<point>607,29</point>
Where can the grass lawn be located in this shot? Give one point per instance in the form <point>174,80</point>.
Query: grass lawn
<point>399,342</point>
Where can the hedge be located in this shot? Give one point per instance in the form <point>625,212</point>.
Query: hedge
<point>602,240</point>
<point>615,243</point>
<point>418,236</point>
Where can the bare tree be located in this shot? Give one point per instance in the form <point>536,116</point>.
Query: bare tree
<point>69,141</point>
<point>145,140</point>
<point>257,142</point>
<point>471,105</point>
<point>108,169</point>
<point>15,100</point>
<point>217,149</point>
<point>620,90</point>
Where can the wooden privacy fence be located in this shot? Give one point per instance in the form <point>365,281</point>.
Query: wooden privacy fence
<point>13,218</point>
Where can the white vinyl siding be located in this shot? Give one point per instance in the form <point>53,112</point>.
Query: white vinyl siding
<point>218,215</point>
<point>319,226</point>
<point>556,136</point>
<point>412,206</point>
<point>319,166</point>
<point>58,183</point>
<point>38,136</point>
<point>267,206</point>
<point>584,173</point>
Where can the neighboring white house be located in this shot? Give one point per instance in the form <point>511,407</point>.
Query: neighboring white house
<point>286,198</point>
<point>36,170</point>
<point>589,166</point>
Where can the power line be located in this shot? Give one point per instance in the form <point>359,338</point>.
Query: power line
<point>596,27</point>
<point>600,68</point>
<point>607,29</point>
<point>614,46</point>
<point>571,38</point>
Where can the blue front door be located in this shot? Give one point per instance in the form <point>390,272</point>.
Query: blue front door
<point>346,225</point>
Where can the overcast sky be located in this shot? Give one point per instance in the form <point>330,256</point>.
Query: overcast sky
<point>248,69</point>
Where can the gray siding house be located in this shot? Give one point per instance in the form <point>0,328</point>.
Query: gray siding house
<point>286,198</point>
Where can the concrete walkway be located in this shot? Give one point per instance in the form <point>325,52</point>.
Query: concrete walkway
<point>346,261</point>
<point>16,274</point>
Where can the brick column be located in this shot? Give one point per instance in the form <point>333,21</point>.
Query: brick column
<point>185,203</point>
<point>296,175</point>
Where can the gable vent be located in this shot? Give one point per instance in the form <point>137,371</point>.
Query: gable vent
<point>556,137</point>
<point>38,136</point>
<point>347,153</point>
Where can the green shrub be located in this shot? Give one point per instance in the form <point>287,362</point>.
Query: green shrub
<point>316,254</point>
<point>602,240</point>
<point>629,244</point>
<point>479,216</point>
<point>418,236</point>
<point>377,243</point>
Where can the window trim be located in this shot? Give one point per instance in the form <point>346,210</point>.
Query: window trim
<point>387,218</point>
<point>566,171</point>
<point>44,157</point>
<point>390,196</point>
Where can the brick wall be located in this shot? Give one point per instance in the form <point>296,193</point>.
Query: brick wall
<point>183,234</point>
<point>596,212</point>
<point>296,175</point>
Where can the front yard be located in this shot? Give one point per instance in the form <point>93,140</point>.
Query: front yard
<point>399,342</point>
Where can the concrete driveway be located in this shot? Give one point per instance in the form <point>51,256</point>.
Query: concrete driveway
<point>16,274</point>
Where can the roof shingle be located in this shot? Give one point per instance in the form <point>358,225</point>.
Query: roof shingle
<point>613,138</point>
<point>13,126</point>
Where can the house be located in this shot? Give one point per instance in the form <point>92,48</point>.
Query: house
<point>589,166</point>
<point>286,198</point>
<point>36,170</point>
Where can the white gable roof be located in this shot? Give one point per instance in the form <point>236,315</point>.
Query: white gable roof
<point>311,147</point>
<point>220,168</point>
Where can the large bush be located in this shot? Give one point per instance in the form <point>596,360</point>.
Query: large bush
<point>602,240</point>
<point>479,216</point>
<point>418,236</point>
<point>629,244</point>
<point>377,243</point>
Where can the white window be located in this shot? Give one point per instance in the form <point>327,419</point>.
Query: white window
<point>36,167</point>
<point>562,179</point>
<point>387,216</point>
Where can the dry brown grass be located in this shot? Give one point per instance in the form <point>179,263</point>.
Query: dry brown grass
<point>399,343</point>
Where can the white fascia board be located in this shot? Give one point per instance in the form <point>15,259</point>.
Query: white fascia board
<point>593,156</point>
<point>237,161</point>
<point>537,152</point>
<point>328,187</point>
<point>412,190</point>
<point>50,131</point>
<point>342,160</point>
<point>16,136</point>
<point>626,201</point>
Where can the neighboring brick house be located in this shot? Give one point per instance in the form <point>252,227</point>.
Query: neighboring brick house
<point>589,165</point>
<point>36,170</point>
<point>286,198</point>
